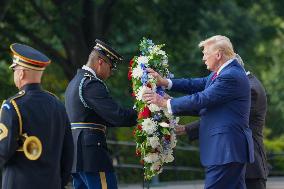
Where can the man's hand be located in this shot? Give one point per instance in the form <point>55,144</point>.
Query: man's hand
<point>153,98</point>
<point>166,96</point>
<point>180,130</point>
<point>160,80</point>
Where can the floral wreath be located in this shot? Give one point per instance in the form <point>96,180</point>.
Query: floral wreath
<point>154,132</point>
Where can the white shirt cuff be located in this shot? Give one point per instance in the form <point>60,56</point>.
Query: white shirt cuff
<point>169,106</point>
<point>170,84</point>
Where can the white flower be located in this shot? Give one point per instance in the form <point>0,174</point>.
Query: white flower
<point>141,90</point>
<point>156,166</point>
<point>160,171</point>
<point>151,157</point>
<point>154,141</point>
<point>169,158</point>
<point>177,120</point>
<point>137,72</point>
<point>154,49</point>
<point>164,124</point>
<point>154,108</point>
<point>149,126</point>
<point>166,112</point>
<point>173,140</point>
<point>165,61</point>
<point>161,52</point>
<point>143,60</point>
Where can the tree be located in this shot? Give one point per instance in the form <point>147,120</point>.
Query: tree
<point>64,30</point>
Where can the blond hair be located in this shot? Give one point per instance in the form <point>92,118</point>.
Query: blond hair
<point>219,42</point>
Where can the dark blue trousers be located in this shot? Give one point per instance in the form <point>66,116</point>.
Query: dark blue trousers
<point>99,180</point>
<point>227,176</point>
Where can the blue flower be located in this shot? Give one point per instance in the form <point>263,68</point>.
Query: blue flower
<point>170,76</point>
<point>160,91</point>
<point>144,78</point>
<point>157,117</point>
<point>150,42</point>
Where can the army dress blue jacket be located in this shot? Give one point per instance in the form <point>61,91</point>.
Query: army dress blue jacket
<point>44,116</point>
<point>88,102</point>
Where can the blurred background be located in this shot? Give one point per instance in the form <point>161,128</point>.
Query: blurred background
<point>66,30</point>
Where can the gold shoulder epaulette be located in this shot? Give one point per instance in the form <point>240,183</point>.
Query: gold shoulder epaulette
<point>52,94</point>
<point>18,95</point>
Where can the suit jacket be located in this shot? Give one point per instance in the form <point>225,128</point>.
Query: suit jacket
<point>259,168</point>
<point>44,116</point>
<point>223,104</point>
<point>88,100</point>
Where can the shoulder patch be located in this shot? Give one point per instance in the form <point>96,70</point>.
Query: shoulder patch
<point>6,106</point>
<point>3,131</point>
<point>18,95</point>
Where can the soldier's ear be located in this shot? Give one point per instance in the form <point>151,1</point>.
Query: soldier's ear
<point>21,74</point>
<point>100,61</point>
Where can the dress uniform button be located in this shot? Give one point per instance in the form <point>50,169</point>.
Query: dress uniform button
<point>99,143</point>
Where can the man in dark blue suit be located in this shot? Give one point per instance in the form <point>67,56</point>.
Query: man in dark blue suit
<point>36,146</point>
<point>222,100</point>
<point>256,173</point>
<point>92,110</point>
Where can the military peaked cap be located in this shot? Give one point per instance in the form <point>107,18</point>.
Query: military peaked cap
<point>107,51</point>
<point>28,57</point>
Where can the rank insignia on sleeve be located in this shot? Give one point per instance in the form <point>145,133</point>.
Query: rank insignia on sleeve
<point>3,131</point>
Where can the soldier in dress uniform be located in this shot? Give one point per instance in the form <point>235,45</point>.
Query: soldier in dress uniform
<point>91,110</point>
<point>36,146</point>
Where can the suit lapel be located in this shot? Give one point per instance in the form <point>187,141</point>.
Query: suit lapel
<point>210,81</point>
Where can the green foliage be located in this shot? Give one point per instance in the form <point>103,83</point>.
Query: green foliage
<point>7,87</point>
<point>54,80</point>
<point>275,148</point>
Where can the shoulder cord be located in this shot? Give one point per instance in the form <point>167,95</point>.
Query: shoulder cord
<point>19,116</point>
<point>81,88</point>
<point>81,93</point>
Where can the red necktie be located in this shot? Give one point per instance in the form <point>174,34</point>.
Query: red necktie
<point>214,76</point>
